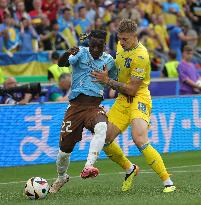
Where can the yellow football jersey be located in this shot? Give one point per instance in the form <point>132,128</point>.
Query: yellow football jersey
<point>136,63</point>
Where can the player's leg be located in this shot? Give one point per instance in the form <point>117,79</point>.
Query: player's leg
<point>71,133</point>
<point>153,158</point>
<point>113,150</point>
<point>96,121</point>
<point>140,115</point>
<point>118,122</point>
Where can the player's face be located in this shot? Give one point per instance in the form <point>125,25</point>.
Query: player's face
<point>127,40</point>
<point>96,47</point>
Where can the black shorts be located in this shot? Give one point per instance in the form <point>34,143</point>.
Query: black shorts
<point>84,111</point>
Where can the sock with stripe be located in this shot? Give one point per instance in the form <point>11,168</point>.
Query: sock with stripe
<point>154,159</point>
<point>115,153</point>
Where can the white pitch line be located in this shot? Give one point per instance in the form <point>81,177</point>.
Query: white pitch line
<point>141,172</point>
<point>194,165</point>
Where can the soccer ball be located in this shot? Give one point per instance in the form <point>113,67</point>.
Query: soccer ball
<point>36,188</point>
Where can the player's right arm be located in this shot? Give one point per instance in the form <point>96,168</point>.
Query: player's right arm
<point>138,72</point>
<point>64,59</point>
<point>129,89</point>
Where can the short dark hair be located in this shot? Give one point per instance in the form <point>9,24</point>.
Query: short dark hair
<point>101,34</point>
<point>55,55</point>
<point>172,54</point>
<point>81,7</point>
<point>66,9</point>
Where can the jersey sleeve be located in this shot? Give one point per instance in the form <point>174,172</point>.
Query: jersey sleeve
<point>139,66</point>
<point>73,59</point>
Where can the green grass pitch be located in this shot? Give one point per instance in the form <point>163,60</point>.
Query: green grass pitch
<point>106,188</point>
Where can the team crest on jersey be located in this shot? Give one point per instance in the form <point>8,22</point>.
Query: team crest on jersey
<point>127,63</point>
<point>142,107</point>
<point>141,57</point>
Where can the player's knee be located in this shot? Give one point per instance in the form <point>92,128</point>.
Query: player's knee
<point>140,142</point>
<point>101,127</point>
<point>100,130</point>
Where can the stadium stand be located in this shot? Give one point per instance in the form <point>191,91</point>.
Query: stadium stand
<point>29,33</point>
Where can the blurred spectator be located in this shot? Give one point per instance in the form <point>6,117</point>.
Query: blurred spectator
<point>1,76</point>
<point>182,6</point>
<point>60,92</point>
<point>3,37</point>
<point>66,27</point>
<point>144,22</point>
<point>130,11</point>
<point>177,35</point>
<point>65,19</point>
<point>188,74</point>
<point>16,97</point>
<point>59,42</point>
<point>36,14</point>
<point>98,24</point>
<point>146,6</point>
<point>3,9</point>
<point>171,10</point>
<point>65,85</point>
<point>170,68</point>
<point>50,8</point>
<point>28,5</point>
<point>12,37</point>
<point>194,13</point>
<point>170,6</point>
<point>161,29</point>
<point>20,12</point>
<point>45,34</point>
<point>109,11</point>
<point>191,32</point>
<point>27,35</point>
<point>153,42</point>
<point>92,11</point>
<point>82,25</point>
<point>113,40</point>
<point>54,71</point>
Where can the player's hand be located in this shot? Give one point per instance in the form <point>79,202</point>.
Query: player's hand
<point>101,76</point>
<point>129,99</point>
<point>73,51</point>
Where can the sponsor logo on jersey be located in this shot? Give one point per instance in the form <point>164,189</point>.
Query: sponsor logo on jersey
<point>139,70</point>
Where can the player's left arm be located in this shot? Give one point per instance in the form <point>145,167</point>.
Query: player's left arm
<point>64,59</point>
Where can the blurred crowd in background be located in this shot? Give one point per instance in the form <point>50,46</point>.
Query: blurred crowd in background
<point>165,26</point>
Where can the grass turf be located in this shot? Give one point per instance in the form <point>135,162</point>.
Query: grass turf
<point>106,188</point>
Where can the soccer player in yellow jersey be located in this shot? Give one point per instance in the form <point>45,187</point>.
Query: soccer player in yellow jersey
<point>133,104</point>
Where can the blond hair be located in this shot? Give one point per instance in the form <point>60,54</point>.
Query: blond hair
<point>127,25</point>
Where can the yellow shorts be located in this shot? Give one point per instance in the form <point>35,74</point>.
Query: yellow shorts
<point>122,113</point>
